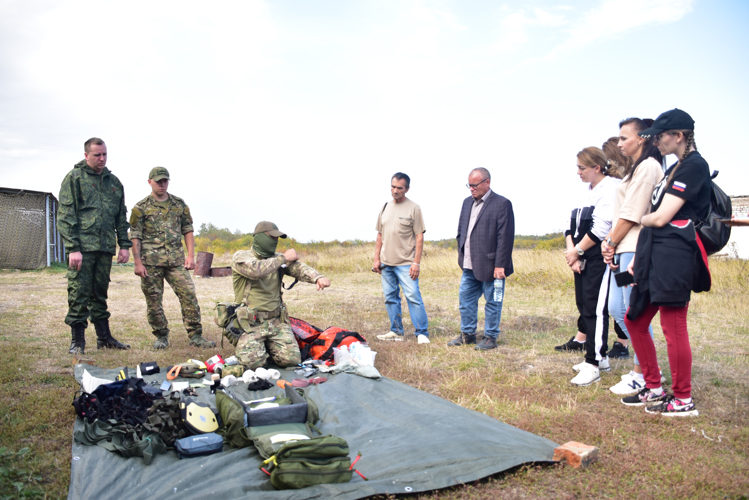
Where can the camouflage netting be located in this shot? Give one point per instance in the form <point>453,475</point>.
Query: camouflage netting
<point>23,235</point>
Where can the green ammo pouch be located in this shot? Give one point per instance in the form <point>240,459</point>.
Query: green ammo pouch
<point>299,464</point>
<point>225,311</point>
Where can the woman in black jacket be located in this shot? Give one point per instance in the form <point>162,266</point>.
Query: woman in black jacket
<point>670,262</point>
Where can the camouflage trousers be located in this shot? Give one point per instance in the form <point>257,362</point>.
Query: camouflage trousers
<point>272,338</point>
<point>87,289</point>
<point>181,282</point>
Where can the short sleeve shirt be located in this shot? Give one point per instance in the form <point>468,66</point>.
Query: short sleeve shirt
<point>160,226</point>
<point>399,223</point>
<point>633,200</point>
<point>691,182</point>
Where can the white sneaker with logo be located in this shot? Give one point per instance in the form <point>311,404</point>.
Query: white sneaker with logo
<point>630,384</point>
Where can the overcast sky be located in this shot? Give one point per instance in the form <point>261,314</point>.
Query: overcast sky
<point>299,111</point>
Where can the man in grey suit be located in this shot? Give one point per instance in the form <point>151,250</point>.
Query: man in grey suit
<point>486,233</point>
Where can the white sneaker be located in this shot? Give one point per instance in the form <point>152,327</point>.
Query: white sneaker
<point>628,375</point>
<point>589,374</point>
<point>630,384</point>
<point>423,339</point>
<point>603,366</point>
<point>390,336</point>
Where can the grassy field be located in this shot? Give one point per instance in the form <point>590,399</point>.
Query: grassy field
<point>524,382</point>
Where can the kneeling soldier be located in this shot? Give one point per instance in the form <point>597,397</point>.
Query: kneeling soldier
<point>158,223</point>
<point>256,275</point>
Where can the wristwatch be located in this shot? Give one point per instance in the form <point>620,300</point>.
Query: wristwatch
<point>580,251</point>
<point>609,242</point>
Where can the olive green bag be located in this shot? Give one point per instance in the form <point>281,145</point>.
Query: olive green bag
<point>232,414</point>
<point>299,464</point>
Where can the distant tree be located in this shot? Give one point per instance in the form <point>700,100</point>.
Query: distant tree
<point>214,233</point>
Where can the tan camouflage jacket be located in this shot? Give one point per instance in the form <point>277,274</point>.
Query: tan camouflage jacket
<point>248,268</point>
<point>92,216</point>
<point>161,230</point>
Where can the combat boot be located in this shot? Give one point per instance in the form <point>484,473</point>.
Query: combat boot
<point>162,339</point>
<point>78,341</point>
<point>197,340</point>
<point>104,337</point>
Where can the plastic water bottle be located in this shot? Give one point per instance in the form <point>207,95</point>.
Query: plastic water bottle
<point>499,290</point>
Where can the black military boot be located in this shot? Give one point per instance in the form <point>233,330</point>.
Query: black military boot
<point>104,337</point>
<point>78,341</point>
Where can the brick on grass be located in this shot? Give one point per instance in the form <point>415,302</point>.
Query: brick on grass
<point>576,454</point>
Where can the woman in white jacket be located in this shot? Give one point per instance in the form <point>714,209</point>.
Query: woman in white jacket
<point>589,225</point>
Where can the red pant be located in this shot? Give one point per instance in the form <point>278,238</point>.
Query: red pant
<point>674,325</point>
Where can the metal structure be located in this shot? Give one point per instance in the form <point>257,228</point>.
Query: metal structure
<point>28,229</point>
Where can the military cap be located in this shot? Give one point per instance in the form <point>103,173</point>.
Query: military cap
<point>270,228</point>
<point>158,173</point>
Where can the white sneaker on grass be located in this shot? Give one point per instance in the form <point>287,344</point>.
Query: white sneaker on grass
<point>390,336</point>
<point>630,384</point>
<point>588,374</point>
<point>625,376</point>
<point>603,365</point>
<point>423,339</point>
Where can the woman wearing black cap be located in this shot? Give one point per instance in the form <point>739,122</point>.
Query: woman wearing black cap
<point>670,263</point>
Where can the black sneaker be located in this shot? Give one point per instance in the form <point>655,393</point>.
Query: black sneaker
<point>673,407</point>
<point>462,340</point>
<point>486,344</point>
<point>619,351</point>
<point>571,345</point>
<point>644,398</point>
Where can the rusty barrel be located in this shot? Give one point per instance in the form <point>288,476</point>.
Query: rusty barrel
<point>203,264</point>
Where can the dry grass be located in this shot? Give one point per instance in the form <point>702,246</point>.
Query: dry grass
<point>524,382</point>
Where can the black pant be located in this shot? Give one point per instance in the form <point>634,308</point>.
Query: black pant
<point>591,296</point>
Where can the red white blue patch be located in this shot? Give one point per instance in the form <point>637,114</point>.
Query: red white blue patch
<point>679,186</point>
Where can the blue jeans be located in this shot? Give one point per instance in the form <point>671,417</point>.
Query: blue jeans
<point>392,276</point>
<point>619,298</point>
<point>471,290</point>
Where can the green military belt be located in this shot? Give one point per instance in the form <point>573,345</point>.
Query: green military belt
<point>262,315</point>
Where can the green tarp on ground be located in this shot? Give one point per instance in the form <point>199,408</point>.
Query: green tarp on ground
<point>410,441</point>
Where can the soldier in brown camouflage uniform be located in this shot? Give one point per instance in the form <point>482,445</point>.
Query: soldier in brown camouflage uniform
<point>256,276</point>
<point>92,220</point>
<point>158,223</point>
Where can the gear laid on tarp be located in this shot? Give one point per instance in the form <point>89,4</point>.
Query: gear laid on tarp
<point>411,442</point>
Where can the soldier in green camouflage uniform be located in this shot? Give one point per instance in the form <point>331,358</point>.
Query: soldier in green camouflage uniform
<point>92,221</point>
<point>158,223</point>
<point>256,276</point>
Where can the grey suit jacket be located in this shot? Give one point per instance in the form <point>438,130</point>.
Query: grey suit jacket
<point>492,237</point>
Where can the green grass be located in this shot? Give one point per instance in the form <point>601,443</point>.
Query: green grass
<point>524,382</point>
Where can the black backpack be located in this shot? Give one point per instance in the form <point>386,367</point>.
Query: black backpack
<point>714,233</point>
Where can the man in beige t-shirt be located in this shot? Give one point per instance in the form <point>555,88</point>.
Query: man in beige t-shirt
<point>400,239</point>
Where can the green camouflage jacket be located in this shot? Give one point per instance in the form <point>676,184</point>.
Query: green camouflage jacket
<point>248,268</point>
<point>92,209</point>
<point>160,226</point>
